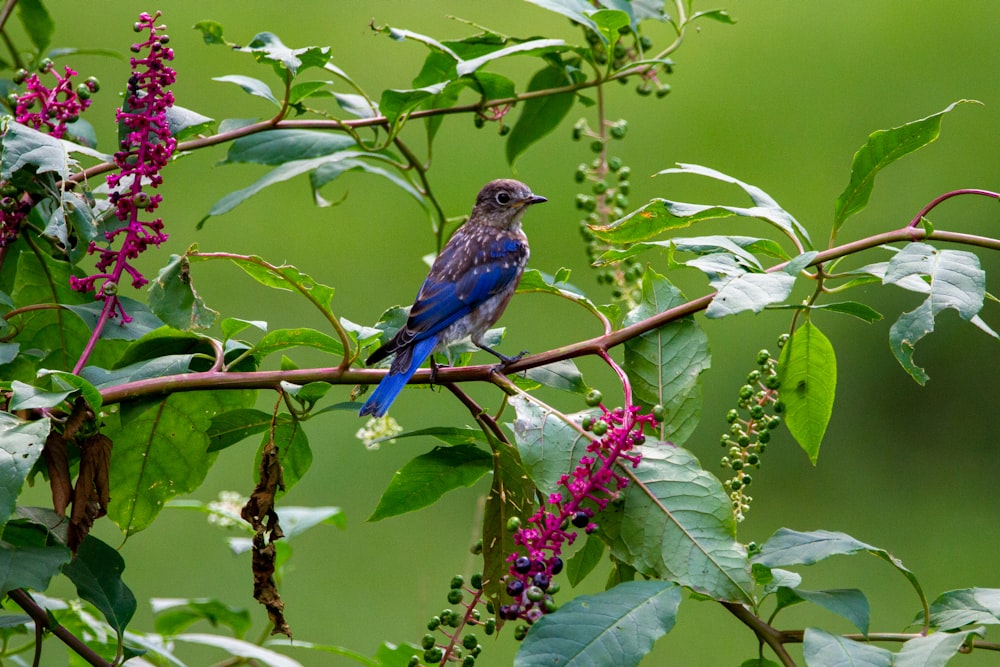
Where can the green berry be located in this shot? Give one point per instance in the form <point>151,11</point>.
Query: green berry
<point>743,440</point>
<point>732,416</point>
<point>83,92</point>
<point>534,593</point>
<point>619,129</point>
<point>600,428</point>
<point>476,548</point>
<point>746,392</point>
<point>470,641</point>
<point>587,423</point>
<point>646,43</point>
<point>504,130</point>
<point>659,413</point>
<point>624,173</point>
<point>772,382</point>
<point>513,523</point>
<point>12,100</point>
<point>597,146</point>
<point>764,437</point>
<point>457,581</point>
<point>753,459</point>
<point>736,465</point>
<point>455,596</point>
<point>757,411</point>
<point>428,641</point>
<point>45,65</point>
<point>644,89</point>
<point>594,398</point>
<point>624,187</point>
<point>477,581</point>
<point>753,376</point>
<point>663,90</point>
<point>520,632</point>
<point>746,480</point>
<point>600,187</point>
<point>468,661</point>
<point>433,655</point>
<point>614,163</point>
<point>779,406</point>
<point>735,484</point>
<point>773,423</point>
<point>782,339</point>
<point>763,357</point>
<point>479,121</point>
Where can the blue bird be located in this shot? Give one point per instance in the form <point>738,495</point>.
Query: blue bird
<point>466,291</point>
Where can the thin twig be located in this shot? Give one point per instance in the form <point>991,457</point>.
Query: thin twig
<point>41,619</point>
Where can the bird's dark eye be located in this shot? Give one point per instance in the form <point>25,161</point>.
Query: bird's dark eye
<point>503,198</point>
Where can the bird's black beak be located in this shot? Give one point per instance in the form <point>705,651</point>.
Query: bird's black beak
<point>534,199</point>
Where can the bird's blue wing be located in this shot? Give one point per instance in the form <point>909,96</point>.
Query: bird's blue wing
<point>464,276</point>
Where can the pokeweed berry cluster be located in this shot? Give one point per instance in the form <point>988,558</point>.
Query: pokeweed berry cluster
<point>751,422</point>
<point>143,152</point>
<point>51,109</point>
<point>586,491</point>
<point>626,52</point>
<point>47,109</point>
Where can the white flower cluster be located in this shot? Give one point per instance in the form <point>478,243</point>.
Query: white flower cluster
<point>377,430</point>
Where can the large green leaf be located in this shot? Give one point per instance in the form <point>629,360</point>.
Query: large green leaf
<point>37,23</point>
<point>934,650</point>
<point>539,115</point>
<point>283,339</point>
<point>21,445</point>
<point>29,566</point>
<point>550,448</point>
<point>161,450</point>
<point>423,480</point>
<point>822,649</point>
<point>847,602</point>
<point>740,290</point>
<point>276,147</point>
<point>24,147</point>
<point>678,525</point>
<point>235,426</point>
<point>741,247</point>
<point>956,282</point>
<point>616,627</point>
<point>250,85</point>
<point>807,369</point>
<point>882,149</point>
<point>577,11</point>
<point>791,547</point>
<point>955,609</point>
<point>96,571</point>
<point>665,364</point>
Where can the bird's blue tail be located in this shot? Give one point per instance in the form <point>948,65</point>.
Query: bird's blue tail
<point>390,386</point>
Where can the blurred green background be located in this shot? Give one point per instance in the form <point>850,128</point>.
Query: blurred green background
<point>782,100</point>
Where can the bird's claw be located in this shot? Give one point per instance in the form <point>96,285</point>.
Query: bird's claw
<point>506,361</point>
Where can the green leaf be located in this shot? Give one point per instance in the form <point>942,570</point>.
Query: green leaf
<point>396,104</point>
<point>173,298</point>
<point>267,47</point>
<point>175,614</point>
<point>822,649</point>
<point>161,450</point>
<point>575,10</point>
<point>511,495</point>
<point>791,547</point>
<point>185,123</point>
<point>211,32</point>
<point>934,650</point>
<point>530,47</point>
<point>549,447</point>
<point>539,115</point>
<point>27,397</point>
<point>848,602</point>
<point>615,627</point>
<point>534,280</point>
<point>26,147</point>
<point>740,290</point>
<point>89,392</point>
<point>423,480</point>
<point>859,310</point>
<point>807,369</point>
<point>297,520</point>
<point>562,375</point>
<point>956,282</point>
<point>232,647</point>
<point>294,452</point>
<point>37,23</point>
<point>143,319</point>
<point>288,278</point>
<point>665,364</point>
<point>662,214</point>
<point>275,147</point>
<point>678,525</point>
<point>307,89</point>
<point>882,149</point>
<point>21,445</point>
<point>30,566</point>
<point>173,364</point>
<point>282,339</point>
<point>96,571</point>
<point>446,434</point>
<point>229,428</point>
<point>585,560</point>
<point>250,85</point>
<point>742,247</point>
<point>955,609</point>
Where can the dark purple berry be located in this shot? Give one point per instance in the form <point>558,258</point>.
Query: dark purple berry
<point>555,565</point>
<point>581,519</point>
<point>522,565</point>
<point>542,580</point>
<point>515,587</point>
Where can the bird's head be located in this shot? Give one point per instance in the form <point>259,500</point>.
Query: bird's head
<point>502,203</point>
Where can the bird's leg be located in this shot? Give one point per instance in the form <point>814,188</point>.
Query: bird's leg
<point>505,361</point>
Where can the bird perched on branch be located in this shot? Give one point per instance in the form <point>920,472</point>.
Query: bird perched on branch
<point>466,291</point>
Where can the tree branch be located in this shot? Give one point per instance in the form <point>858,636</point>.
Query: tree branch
<point>41,619</point>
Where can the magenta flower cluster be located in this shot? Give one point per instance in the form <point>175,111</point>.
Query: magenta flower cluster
<point>586,491</point>
<point>142,154</point>
<point>50,109</point>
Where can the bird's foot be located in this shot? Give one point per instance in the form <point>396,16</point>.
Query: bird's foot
<point>506,361</point>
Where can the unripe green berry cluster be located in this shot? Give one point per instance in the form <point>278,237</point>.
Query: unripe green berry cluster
<point>751,422</point>
<point>605,200</point>
<point>460,645</point>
